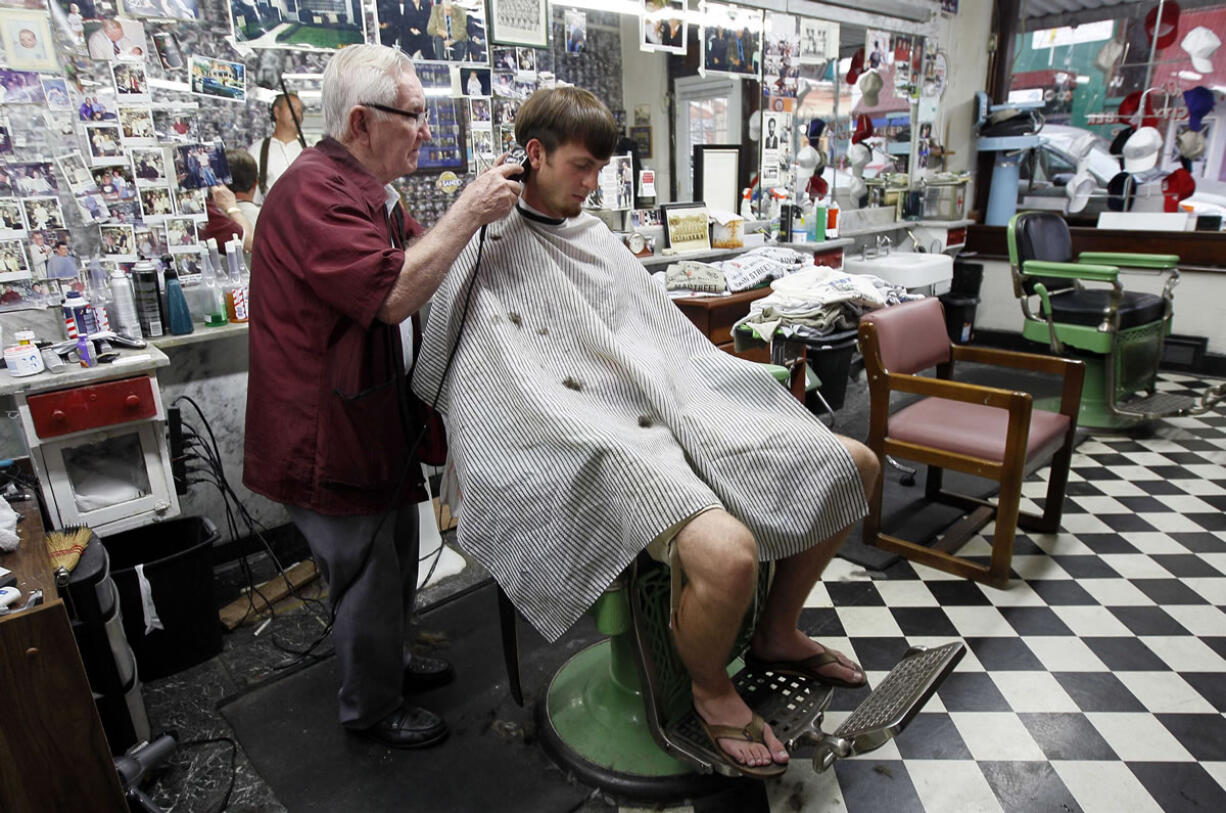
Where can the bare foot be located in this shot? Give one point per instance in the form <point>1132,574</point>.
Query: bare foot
<point>730,709</point>
<point>798,646</point>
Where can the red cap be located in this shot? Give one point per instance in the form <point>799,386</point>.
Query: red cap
<point>817,187</point>
<point>864,128</point>
<point>857,67</point>
<point>1177,186</point>
<point>1168,28</point>
<point>1132,103</point>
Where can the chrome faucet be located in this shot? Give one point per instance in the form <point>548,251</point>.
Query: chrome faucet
<point>884,240</point>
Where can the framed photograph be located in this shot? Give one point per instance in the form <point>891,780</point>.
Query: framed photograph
<point>685,226</point>
<point>125,211</point>
<point>92,207</point>
<point>575,26</point>
<point>155,204</point>
<point>74,169</point>
<point>12,218</point>
<point>187,264</point>
<point>149,167</point>
<point>448,144</point>
<point>151,241</point>
<point>730,39</point>
<point>180,234</point>
<point>198,166</point>
<point>170,53</point>
<point>266,26</point>
<point>191,203</point>
<point>819,41</point>
<point>63,264</point>
<point>13,264</point>
<point>112,38</point>
<point>114,183</point>
<point>118,242</point>
<point>642,140</point>
<point>27,40</point>
<point>43,213</point>
<point>99,106</point>
<point>163,9</point>
<point>219,78</point>
<point>479,111</point>
<point>105,144</point>
<point>716,168</point>
<point>473,82</point>
<point>33,178</point>
<point>175,124</point>
<point>55,89</point>
<point>520,22</point>
<point>6,138</point>
<point>136,126</point>
<point>20,87</point>
<point>662,26</point>
<point>131,82</point>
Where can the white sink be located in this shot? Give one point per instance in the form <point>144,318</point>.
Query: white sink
<point>909,269</point>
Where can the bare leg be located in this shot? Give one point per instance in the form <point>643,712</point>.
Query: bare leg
<point>720,560</point>
<point>778,637</point>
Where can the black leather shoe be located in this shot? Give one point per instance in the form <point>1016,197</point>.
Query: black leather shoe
<point>407,727</point>
<point>424,672</point>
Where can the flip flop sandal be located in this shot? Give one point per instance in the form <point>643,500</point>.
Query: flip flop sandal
<point>752,732</point>
<point>808,667</point>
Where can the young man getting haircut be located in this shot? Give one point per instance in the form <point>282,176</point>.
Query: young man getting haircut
<point>589,420</point>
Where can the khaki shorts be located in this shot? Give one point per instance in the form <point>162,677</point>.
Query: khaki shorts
<point>664,549</point>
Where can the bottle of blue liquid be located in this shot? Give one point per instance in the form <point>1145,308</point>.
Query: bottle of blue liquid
<point>177,313</point>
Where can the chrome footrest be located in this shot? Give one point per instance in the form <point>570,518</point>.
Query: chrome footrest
<point>1158,405</point>
<point>792,706</point>
<point>891,706</point>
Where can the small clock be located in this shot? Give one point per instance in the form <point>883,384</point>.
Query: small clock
<point>640,245</point>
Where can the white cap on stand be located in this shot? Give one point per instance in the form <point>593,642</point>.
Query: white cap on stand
<point>1200,43</point>
<point>858,155</point>
<point>1079,190</point>
<point>870,85</point>
<point>1141,150</point>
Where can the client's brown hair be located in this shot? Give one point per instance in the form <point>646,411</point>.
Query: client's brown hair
<point>566,115</point>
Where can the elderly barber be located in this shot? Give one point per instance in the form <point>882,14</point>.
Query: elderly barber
<point>338,266</point>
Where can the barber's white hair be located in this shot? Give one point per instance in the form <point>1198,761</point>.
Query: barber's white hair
<point>360,73</point>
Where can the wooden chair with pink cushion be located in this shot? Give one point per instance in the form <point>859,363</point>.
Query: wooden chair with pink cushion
<point>983,431</point>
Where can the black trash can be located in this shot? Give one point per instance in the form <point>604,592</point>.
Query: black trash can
<point>968,279</point>
<point>960,316</point>
<point>177,559</point>
<point>830,358</point>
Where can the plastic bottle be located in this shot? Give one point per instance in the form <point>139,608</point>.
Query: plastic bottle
<point>236,284</point>
<point>99,295</point>
<point>178,316</point>
<point>832,220</point>
<point>816,222</point>
<point>123,306</point>
<point>78,316</point>
<point>212,297</point>
<point>85,351</point>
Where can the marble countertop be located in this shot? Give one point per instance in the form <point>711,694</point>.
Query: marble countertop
<point>200,334</point>
<point>131,361</point>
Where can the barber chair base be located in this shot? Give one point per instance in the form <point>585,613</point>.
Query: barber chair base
<point>592,723</point>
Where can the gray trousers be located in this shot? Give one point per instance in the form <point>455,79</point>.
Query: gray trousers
<point>372,620</point>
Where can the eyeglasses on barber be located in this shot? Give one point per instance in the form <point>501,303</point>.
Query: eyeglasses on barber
<point>420,117</point>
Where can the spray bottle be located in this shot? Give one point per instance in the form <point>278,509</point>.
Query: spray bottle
<point>236,285</point>
<point>212,297</point>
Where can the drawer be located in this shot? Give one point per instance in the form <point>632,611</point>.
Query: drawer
<point>956,237</point>
<point>98,405</point>
<point>762,355</point>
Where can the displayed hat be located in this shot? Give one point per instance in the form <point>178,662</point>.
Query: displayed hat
<point>1177,186</point>
<point>857,67</point>
<point>1079,190</point>
<point>816,126</point>
<point>864,128</point>
<point>1121,138</point>
<point>1165,30</point>
<point>858,155</point>
<point>1200,43</point>
<point>807,158</point>
<point>1199,101</point>
<point>817,187</point>
<point>1132,103</point>
<point>870,85</point>
<point>1141,150</point>
<point>755,125</point>
<point>1108,55</point>
<point>1191,144</point>
<point>1120,191</point>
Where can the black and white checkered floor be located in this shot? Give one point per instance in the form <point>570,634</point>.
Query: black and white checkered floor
<point>1096,682</point>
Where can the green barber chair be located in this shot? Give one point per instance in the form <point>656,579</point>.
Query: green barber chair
<point>1117,333</point>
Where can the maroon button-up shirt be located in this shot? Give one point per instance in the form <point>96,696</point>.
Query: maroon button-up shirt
<point>329,416</point>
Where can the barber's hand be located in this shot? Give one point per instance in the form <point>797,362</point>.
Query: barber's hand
<point>223,197</point>
<point>492,194</point>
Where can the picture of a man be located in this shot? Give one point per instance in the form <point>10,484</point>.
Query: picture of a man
<point>111,41</point>
<point>772,138</point>
<point>61,265</point>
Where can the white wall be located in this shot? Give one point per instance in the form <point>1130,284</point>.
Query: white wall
<point>963,37</point>
<point>1198,302</point>
<point>645,81</point>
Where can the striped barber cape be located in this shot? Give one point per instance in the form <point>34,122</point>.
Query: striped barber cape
<point>586,415</point>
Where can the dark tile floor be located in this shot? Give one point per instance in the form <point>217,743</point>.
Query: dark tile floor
<point>1096,682</point>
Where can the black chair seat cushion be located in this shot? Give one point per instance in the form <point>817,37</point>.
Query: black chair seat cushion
<point>1087,308</point>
